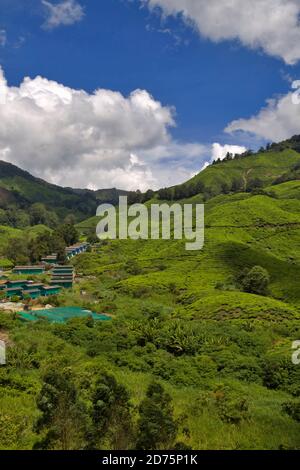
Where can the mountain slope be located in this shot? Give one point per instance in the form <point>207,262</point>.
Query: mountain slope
<point>20,189</point>
<point>243,229</point>
<point>181,318</point>
<point>280,163</point>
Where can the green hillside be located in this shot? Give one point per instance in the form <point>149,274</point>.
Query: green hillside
<point>248,172</point>
<point>19,189</point>
<point>185,319</point>
<point>266,166</point>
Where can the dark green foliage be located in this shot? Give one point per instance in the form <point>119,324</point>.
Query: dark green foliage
<point>157,428</point>
<point>69,234</point>
<point>45,244</point>
<point>22,250</point>
<point>292,408</point>
<point>40,215</point>
<point>45,203</point>
<point>132,267</point>
<point>255,281</point>
<point>222,354</point>
<point>254,184</point>
<point>280,373</point>
<point>135,197</point>
<point>232,406</point>
<point>111,415</point>
<point>17,250</point>
<point>166,194</point>
<point>92,237</point>
<point>63,419</point>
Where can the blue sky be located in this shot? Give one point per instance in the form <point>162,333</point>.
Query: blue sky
<point>201,84</point>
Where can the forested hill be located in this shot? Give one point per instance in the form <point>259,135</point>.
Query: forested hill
<point>210,330</point>
<point>19,191</point>
<point>275,164</point>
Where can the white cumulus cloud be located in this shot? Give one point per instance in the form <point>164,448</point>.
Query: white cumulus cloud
<point>104,139</point>
<point>220,151</point>
<point>64,13</point>
<point>270,25</point>
<point>278,120</point>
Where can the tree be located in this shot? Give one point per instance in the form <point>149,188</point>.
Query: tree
<point>52,219</point>
<point>253,184</point>
<point>70,219</point>
<point>3,217</point>
<point>228,157</point>
<point>63,417</point>
<point>232,405</point>
<point>200,187</point>
<point>39,247</point>
<point>69,233</point>
<point>255,280</point>
<point>111,415</point>
<point>292,408</point>
<point>38,214</point>
<point>179,193</point>
<point>236,185</point>
<point>92,237</point>
<point>225,188</point>
<point>157,428</point>
<point>134,197</point>
<point>166,194</point>
<point>17,250</point>
<point>148,195</point>
<point>47,243</point>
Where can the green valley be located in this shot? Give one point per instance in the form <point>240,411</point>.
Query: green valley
<point>208,333</point>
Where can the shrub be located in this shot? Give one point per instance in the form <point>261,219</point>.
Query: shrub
<point>292,408</point>
<point>255,280</point>
<point>232,406</point>
<point>157,428</point>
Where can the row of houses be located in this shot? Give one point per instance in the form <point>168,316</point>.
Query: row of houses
<point>29,270</point>
<point>70,251</point>
<point>76,249</point>
<point>28,289</point>
<point>62,276</point>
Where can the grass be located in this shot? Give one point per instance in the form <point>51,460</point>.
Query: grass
<point>179,317</point>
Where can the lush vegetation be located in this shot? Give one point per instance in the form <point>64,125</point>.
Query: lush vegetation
<point>26,200</point>
<point>31,245</point>
<point>198,352</point>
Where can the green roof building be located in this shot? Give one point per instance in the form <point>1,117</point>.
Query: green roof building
<point>33,285</point>
<point>20,283</point>
<point>29,269</point>
<point>32,293</point>
<point>51,259</point>
<point>50,290</point>
<point>12,291</point>
<point>65,283</point>
<point>62,267</point>
<point>62,271</point>
<point>62,277</point>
